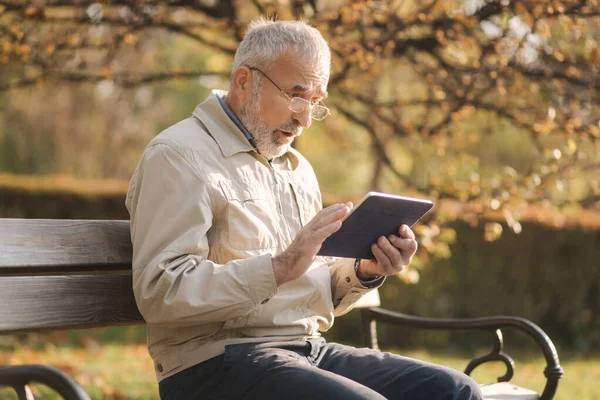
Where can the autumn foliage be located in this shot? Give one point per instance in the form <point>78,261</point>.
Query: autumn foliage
<point>490,106</point>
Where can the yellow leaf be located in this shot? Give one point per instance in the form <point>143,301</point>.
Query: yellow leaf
<point>74,39</point>
<point>33,12</point>
<point>24,49</point>
<point>572,146</point>
<point>130,39</point>
<point>493,231</point>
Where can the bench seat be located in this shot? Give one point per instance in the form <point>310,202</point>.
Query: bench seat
<point>507,391</point>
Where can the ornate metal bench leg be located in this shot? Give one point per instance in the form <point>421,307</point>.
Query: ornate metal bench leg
<point>18,377</point>
<point>553,370</point>
<point>23,392</point>
<point>495,355</point>
<point>369,330</point>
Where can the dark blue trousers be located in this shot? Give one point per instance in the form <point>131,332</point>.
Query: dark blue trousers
<point>311,370</point>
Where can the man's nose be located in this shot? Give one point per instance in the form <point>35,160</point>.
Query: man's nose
<point>303,118</point>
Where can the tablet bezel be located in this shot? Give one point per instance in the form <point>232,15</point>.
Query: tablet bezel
<point>389,196</point>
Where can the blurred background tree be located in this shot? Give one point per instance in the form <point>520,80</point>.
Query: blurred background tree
<point>491,103</point>
<point>490,108</point>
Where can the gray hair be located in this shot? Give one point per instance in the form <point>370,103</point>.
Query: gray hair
<point>266,40</point>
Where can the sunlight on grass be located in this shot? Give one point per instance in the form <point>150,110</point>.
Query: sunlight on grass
<point>117,372</point>
<point>109,371</point>
<point>580,380</point>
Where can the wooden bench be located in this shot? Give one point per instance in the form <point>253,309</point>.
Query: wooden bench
<point>67,274</point>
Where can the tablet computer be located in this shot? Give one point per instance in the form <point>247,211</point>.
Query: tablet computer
<point>377,214</point>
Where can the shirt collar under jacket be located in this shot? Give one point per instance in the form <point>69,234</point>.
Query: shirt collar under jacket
<point>228,134</point>
<point>236,120</point>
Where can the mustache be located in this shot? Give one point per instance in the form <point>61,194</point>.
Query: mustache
<point>291,127</point>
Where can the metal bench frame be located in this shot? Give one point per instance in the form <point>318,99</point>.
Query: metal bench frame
<point>553,371</point>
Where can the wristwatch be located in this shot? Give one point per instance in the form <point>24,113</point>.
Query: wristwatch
<point>366,282</point>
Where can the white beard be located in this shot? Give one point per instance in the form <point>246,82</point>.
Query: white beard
<point>268,141</point>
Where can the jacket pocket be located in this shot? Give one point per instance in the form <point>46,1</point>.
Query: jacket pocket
<point>251,223</point>
<point>307,200</point>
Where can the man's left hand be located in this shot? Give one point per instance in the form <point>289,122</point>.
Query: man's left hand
<point>391,253</point>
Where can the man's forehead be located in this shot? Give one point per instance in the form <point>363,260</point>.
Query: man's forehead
<point>302,75</point>
<point>319,90</point>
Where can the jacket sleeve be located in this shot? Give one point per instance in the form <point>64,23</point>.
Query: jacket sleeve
<point>346,288</point>
<point>171,215</point>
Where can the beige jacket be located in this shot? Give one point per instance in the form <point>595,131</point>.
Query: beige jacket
<point>207,213</point>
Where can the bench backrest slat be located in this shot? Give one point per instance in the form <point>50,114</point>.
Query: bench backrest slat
<point>37,246</point>
<point>36,303</point>
<point>66,274</point>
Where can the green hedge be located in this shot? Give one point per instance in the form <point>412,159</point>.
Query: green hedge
<point>60,205</point>
<point>549,276</point>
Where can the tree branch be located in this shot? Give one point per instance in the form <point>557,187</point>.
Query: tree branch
<point>377,145</point>
<point>125,80</point>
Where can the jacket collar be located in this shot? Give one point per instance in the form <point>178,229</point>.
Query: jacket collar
<point>228,131</point>
<point>224,131</point>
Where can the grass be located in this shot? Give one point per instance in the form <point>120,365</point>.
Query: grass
<point>110,371</point>
<point>580,380</point>
<point>116,371</point>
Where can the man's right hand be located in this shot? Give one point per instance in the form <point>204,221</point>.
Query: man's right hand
<point>297,258</point>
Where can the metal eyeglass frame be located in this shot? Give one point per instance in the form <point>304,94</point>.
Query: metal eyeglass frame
<point>298,104</point>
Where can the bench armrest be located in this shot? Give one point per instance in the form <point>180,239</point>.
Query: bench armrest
<point>553,370</point>
<point>19,376</point>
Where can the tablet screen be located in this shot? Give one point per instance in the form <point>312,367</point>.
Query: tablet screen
<point>377,214</point>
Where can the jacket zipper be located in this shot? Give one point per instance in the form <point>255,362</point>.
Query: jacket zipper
<point>273,171</point>
<point>284,228</point>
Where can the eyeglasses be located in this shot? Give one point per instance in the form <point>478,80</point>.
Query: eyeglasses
<point>298,104</point>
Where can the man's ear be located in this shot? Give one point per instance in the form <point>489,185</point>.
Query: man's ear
<point>242,83</point>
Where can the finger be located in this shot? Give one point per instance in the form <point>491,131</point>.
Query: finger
<point>391,252</point>
<point>332,210</point>
<point>406,246</point>
<point>324,216</point>
<point>324,232</point>
<point>405,232</point>
<point>329,215</point>
<point>383,262</point>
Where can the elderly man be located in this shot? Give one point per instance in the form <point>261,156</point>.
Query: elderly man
<point>226,223</point>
